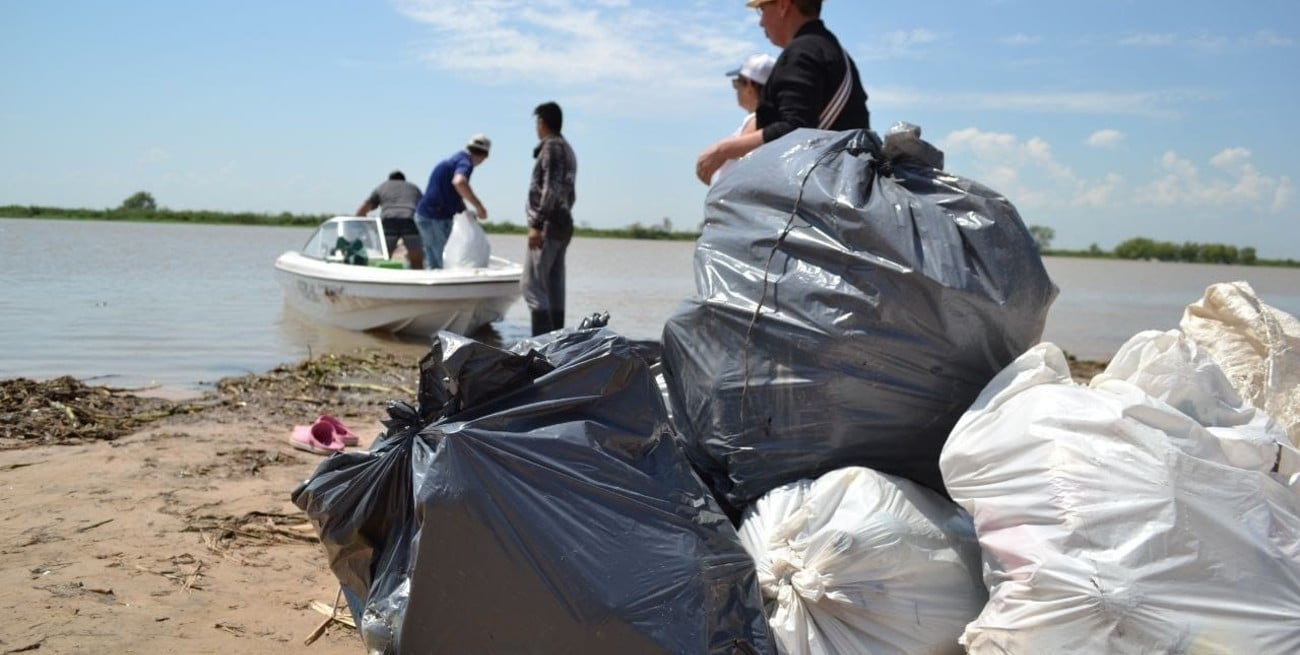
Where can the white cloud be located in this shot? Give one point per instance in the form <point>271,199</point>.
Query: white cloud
<point>1205,42</point>
<point>1027,171</point>
<point>1030,174</point>
<point>1209,43</point>
<point>1107,139</point>
<point>899,44</point>
<point>154,155</point>
<point>1271,39</point>
<point>1101,194</point>
<point>1231,179</point>
<point>1147,40</point>
<point>611,51</point>
<point>1149,104</point>
<point>1283,196</point>
<point>1021,40</point>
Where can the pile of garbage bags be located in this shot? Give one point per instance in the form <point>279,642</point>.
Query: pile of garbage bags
<point>864,449</point>
<point>1150,511</point>
<point>849,308</point>
<point>534,501</point>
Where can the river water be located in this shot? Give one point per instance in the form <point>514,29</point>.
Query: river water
<point>177,307</point>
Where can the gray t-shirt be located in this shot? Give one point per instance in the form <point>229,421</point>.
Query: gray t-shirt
<point>396,199</point>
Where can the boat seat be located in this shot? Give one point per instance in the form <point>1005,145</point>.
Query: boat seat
<point>354,252</point>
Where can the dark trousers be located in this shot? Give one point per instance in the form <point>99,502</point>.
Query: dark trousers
<point>543,281</point>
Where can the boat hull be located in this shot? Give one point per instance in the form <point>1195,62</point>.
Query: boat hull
<point>411,302</point>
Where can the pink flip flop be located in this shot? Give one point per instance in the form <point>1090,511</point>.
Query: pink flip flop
<point>318,438</point>
<point>349,439</point>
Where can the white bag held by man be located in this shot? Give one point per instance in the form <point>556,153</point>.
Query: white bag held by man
<point>468,246</point>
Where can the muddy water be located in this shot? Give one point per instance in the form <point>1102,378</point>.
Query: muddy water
<point>181,306</point>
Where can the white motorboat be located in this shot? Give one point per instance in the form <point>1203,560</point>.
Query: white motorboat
<point>384,295</point>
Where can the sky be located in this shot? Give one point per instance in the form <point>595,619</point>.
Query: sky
<point>1102,120</point>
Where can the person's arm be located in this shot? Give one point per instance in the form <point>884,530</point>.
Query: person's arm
<point>461,184</point>
<point>732,147</point>
<point>545,170</point>
<point>370,204</point>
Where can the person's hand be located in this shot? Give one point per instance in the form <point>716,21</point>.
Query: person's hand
<point>534,239</point>
<point>482,213</point>
<point>708,163</point>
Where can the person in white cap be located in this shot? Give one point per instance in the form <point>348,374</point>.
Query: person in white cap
<point>813,84</point>
<point>446,195</point>
<point>748,81</point>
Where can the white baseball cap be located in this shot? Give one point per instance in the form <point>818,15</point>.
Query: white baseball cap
<point>756,67</point>
<point>479,142</point>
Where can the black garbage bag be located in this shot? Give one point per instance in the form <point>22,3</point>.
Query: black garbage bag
<point>543,506</point>
<point>356,501</point>
<point>849,309</point>
<point>557,343</point>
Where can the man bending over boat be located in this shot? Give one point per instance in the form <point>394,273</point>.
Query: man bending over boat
<point>395,199</point>
<point>446,195</point>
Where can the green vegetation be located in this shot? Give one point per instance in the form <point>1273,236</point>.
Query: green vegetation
<point>141,207</point>
<point>141,200</point>
<point>1141,248</point>
<point>1209,253</point>
<point>1043,237</point>
<point>146,213</point>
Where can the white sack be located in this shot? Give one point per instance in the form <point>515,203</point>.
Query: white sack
<point>467,246</point>
<point>1175,370</point>
<point>862,562</point>
<point>1112,522</point>
<point>1258,347</point>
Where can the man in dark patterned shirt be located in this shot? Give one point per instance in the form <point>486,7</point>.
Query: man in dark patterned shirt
<point>550,221</point>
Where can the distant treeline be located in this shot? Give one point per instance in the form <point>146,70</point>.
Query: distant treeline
<point>159,215</point>
<point>1142,248</point>
<point>163,215</point>
<point>141,208</point>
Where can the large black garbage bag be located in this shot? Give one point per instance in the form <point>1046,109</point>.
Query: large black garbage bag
<point>356,501</point>
<point>849,309</point>
<point>548,508</point>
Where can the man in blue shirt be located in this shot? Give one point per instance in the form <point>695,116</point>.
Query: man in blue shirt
<point>446,195</point>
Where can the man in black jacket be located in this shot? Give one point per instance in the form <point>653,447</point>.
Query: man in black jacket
<point>814,83</point>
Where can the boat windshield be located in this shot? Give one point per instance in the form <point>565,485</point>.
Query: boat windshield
<point>323,243</point>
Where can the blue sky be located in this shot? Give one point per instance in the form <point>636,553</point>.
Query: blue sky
<point>1104,120</point>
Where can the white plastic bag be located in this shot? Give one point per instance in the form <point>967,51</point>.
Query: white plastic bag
<point>1111,521</point>
<point>1257,346</point>
<point>467,246</point>
<point>862,562</point>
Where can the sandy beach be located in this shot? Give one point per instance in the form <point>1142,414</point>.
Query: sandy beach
<point>177,536</point>
<point>133,524</point>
